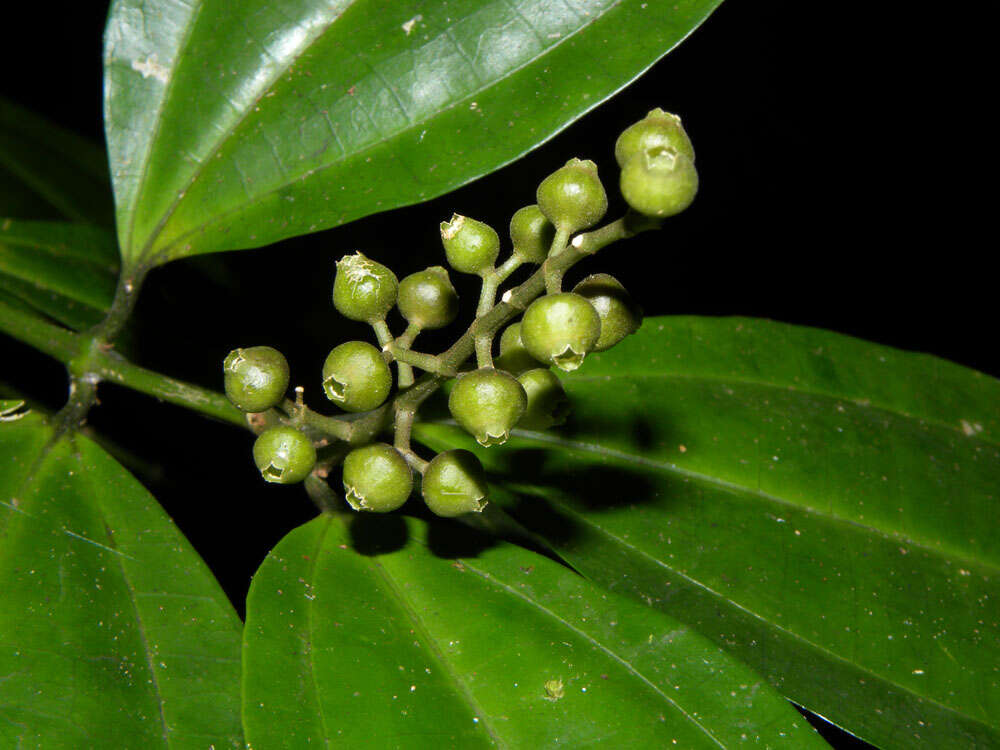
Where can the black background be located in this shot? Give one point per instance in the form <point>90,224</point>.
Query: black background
<point>845,185</point>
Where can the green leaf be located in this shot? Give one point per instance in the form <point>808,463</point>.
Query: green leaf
<point>234,125</point>
<point>822,507</point>
<point>365,634</point>
<point>65,271</point>
<point>113,633</point>
<point>47,172</point>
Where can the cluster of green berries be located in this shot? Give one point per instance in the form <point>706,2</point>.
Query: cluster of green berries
<point>516,389</point>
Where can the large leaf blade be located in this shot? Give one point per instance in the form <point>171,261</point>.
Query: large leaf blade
<point>48,172</point>
<point>396,646</point>
<point>112,631</point>
<point>820,506</point>
<point>235,125</point>
<point>66,271</point>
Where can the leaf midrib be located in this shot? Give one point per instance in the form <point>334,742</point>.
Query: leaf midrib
<point>668,468</point>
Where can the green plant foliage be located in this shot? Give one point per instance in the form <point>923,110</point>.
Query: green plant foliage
<point>113,633</point>
<point>398,646</point>
<point>47,172</point>
<point>64,271</point>
<point>234,125</point>
<point>821,507</point>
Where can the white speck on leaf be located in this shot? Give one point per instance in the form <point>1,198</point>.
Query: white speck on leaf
<point>150,68</point>
<point>408,26</point>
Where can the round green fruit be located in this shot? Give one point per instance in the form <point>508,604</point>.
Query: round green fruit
<point>255,378</point>
<point>658,129</point>
<point>548,405</point>
<point>660,182</point>
<point>427,299</point>
<point>454,483</point>
<point>572,197</point>
<point>560,329</point>
<point>284,455</point>
<point>531,234</point>
<point>470,246</point>
<point>356,377</point>
<point>514,356</point>
<point>363,290</point>
<point>377,478</point>
<point>488,403</point>
<point>619,313</point>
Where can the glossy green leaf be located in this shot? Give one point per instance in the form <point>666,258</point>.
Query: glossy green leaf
<point>113,633</point>
<point>233,125</point>
<point>65,271</point>
<point>48,172</point>
<point>385,632</point>
<point>822,507</point>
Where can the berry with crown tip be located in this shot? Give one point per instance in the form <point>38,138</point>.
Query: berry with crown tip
<point>560,329</point>
<point>376,478</point>
<point>363,290</point>
<point>488,403</point>
<point>256,378</point>
<point>548,405</point>
<point>514,357</point>
<point>470,246</point>
<point>454,483</point>
<point>619,313</point>
<point>660,182</point>
<point>531,234</point>
<point>658,129</point>
<point>356,377</point>
<point>284,455</point>
<point>572,197</point>
<point>427,299</point>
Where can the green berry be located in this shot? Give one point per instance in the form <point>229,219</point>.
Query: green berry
<point>454,483</point>
<point>548,404</point>
<point>470,245</point>
<point>356,377</point>
<point>363,289</point>
<point>427,299</point>
<point>488,403</point>
<point>284,455</point>
<point>377,478</point>
<point>660,182</point>
<point>560,329</point>
<point>658,129</point>
<point>514,357</point>
<point>573,197</point>
<point>255,378</point>
<point>620,315</point>
<point>531,234</point>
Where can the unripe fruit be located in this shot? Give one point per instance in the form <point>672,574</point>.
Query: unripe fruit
<point>620,315</point>
<point>531,234</point>
<point>514,357</point>
<point>660,182</point>
<point>572,197</point>
<point>548,404</point>
<point>488,403</point>
<point>454,483</point>
<point>284,455</point>
<point>356,377</point>
<point>256,378</point>
<point>377,478</point>
<point>658,129</point>
<point>427,299</point>
<point>471,246</point>
<point>363,289</point>
<point>560,329</point>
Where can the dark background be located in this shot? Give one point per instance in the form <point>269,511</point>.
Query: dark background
<point>837,151</point>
